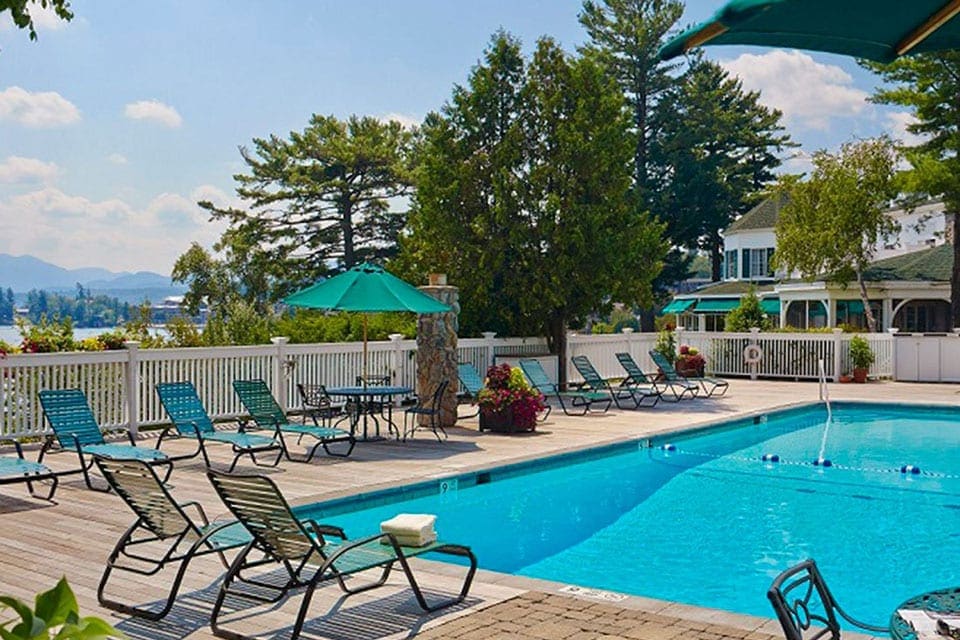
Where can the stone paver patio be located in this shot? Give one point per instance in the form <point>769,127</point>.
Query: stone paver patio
<point>41,542</point>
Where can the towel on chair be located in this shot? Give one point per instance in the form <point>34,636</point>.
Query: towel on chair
<point>410,529</point>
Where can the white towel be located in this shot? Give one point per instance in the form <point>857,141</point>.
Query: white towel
<point>925,622</point>
<point>411,529</point>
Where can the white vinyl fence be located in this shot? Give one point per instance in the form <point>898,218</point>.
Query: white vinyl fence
<point>927,358</point>
<point>120,384</point>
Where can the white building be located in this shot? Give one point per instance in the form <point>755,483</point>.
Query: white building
<point>908,284</point>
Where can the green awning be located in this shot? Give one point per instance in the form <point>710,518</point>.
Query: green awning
<point>817,309</point>
<point>770,305</point>
<point>853,306</point>
<point>717,305</point>
<point>677,306</point>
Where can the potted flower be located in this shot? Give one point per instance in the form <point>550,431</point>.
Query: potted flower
<point>861,356</point>
<point>507,402</point>
<point>690,363</point>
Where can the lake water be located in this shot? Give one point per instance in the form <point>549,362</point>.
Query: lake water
<point>11,335</point>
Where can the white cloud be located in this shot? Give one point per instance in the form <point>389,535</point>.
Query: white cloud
<point>40,110</point>
<point>117,158</point>
<point>407,121</point>
<point>155,111</point>
<point>808,93</point>
<point>74,231</point>
<point>897,123</point>
<point>16,169</point>
<point>44,19</point>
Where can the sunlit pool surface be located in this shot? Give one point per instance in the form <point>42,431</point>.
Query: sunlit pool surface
<point>709,523</point>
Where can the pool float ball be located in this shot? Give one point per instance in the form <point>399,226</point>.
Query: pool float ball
<point>770,457</point>
<point>668,447</point>
<point>909,468</point>
<point>822,462</point>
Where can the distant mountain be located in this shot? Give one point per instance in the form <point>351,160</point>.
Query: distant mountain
<point>23,273</point>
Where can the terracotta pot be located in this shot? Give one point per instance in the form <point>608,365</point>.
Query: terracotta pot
<point>860,375</point>
<point>844,379</point>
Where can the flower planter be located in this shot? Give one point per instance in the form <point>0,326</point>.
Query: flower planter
<point>500,421</point>
<point>860,375</point>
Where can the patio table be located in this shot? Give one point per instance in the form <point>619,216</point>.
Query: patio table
<point>364,399</point>
<point>942,601</point>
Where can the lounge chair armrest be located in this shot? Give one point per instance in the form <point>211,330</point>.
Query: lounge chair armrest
<point>199,508</point>
<point>326,529</point>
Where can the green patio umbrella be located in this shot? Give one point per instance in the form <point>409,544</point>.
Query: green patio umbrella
<point>365,288</point>
<point>880,30</point>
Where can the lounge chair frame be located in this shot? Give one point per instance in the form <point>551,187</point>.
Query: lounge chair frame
<point>709,384</point>
<point>160,519</point>
<point>623,396</point>
<point>266,413</point>
<point>19,469</point>
<point>190,419</point>
<point>308,552</point>
<point>791,594</point>
<point>472,382</point>
<point>76,429</point>
<point>580,403</point>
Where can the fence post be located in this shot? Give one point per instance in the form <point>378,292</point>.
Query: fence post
<point>280,369</point>
<point>893,351</point>
<point>837,353</point>
<point>132,385</point>
<point>754,333</point>
<point>395,338</point>
<point>488,337</point>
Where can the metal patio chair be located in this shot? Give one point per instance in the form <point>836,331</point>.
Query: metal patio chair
<point>186,411</point>
<point>309,552</point>
<point>256,398</point>
<point>806,608</point>
<point>431,409</point>
<point>163,533</point>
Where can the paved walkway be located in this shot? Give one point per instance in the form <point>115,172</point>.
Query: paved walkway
<point>40,542</point>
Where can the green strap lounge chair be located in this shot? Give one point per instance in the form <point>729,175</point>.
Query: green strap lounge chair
<point>635,375</point>
<point>309,553</point>
<point>183,406</point>
<point>580,402</point>
<point>471,381</point>
<point>709,385</point>
<point>19,469</point>
<point>625,397</point>
<point>256,398</point>
<point>75,429</point>
<point>162,535</point>
<point>671,381</point>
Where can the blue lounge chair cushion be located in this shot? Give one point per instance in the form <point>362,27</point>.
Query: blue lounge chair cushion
<point>321,433</point>
<point>239,440</point>
<point>123,451</point>
<point>20,467</point>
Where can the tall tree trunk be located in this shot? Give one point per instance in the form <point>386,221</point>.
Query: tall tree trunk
<point>955,273</point>
<point>648,320</point>
<point>557,342</point>
<point>346,227</point>
<point>871,321</point>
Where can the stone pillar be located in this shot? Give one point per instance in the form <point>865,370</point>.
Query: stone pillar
<point>437,349</point>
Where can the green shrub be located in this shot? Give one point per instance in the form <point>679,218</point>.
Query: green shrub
<point>666,345</point>
<point>747,315</point>
<point>861,355</point>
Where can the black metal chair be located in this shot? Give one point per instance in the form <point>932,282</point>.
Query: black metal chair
<point>804,605</point>
<point>432,410</point>
<point>160,520</point>
<point>309,553</point>
<point>319,406</point>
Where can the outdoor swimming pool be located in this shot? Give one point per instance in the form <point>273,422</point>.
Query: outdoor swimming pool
<point>710,523</point>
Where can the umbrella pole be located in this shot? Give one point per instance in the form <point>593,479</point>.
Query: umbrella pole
<point>364,349</point>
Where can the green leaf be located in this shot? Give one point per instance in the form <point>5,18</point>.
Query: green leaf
<point>56,604</point>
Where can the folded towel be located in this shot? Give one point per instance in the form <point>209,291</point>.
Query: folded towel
<point>925,622</point>
<point>410,529</point>
<point>412,541</point>
<point>409,524</point>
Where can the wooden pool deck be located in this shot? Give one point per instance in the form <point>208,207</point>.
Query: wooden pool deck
<point>40,542</point>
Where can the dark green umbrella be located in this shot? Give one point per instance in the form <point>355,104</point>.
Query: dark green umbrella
<point>366,288</point>
<point>880,30</point>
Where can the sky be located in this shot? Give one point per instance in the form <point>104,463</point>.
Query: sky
<point>113,125</point>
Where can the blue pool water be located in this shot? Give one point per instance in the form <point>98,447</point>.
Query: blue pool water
<point>710,524</point>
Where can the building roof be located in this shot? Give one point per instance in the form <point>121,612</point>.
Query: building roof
<point>731,287</point>
<point>762,216</point>
<point>927,265</point>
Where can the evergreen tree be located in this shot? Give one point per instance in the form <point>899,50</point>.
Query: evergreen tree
<point>523,196</point>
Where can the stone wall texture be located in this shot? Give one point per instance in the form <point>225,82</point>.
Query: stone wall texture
<point>437,353</point>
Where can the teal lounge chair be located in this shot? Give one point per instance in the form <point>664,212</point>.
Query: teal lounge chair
<point>580,401</point>
<point>75,429</point>
<point>624,395</point>
<point>256,398</point>
<point>309,553</point>
<point>163,533</point>
<point>472,382</point>
<point>19,469</point>
<point>709,384</point>
<point>183,406</point>
<point>678,386</point>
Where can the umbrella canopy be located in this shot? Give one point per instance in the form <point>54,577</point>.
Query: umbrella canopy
<point>367,288</point>
<point>880,30</point>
